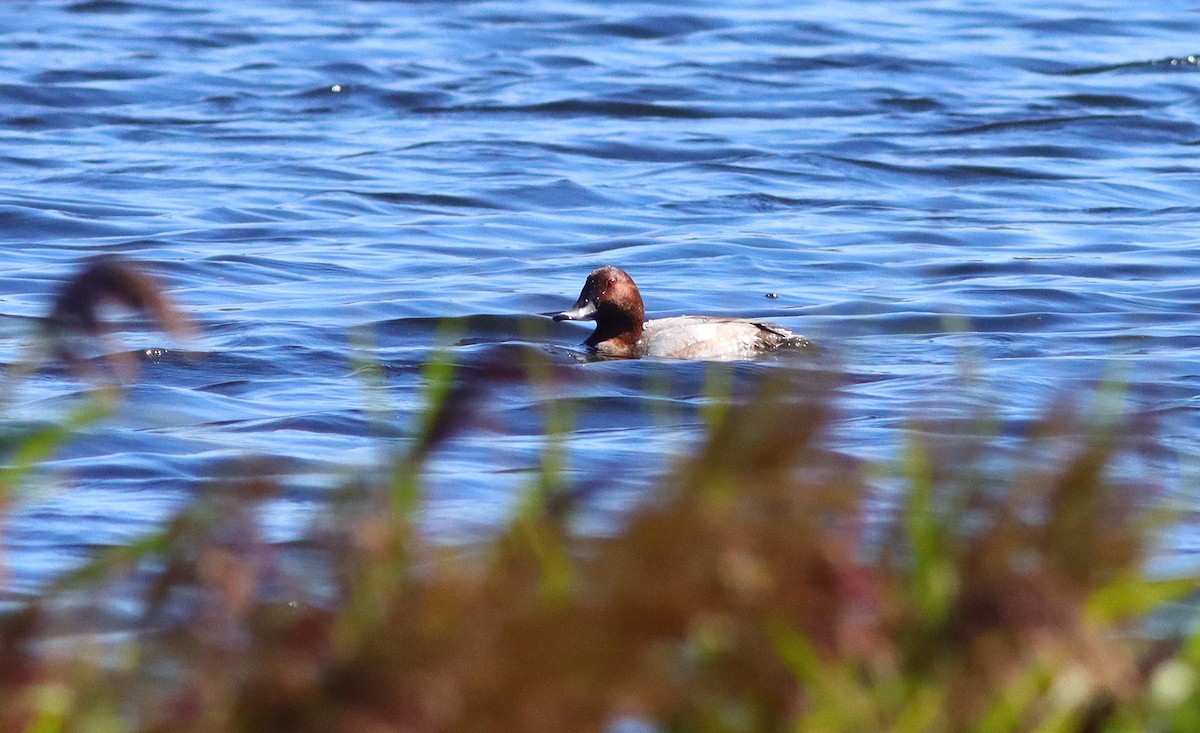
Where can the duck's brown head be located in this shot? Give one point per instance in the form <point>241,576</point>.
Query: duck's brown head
<point>611,299</point>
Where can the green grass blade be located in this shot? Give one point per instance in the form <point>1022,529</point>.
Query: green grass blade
<point>43,443</point>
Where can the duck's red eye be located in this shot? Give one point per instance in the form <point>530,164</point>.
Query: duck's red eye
<point>612,281</point>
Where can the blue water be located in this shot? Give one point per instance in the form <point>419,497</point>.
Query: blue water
<point>928,187</point>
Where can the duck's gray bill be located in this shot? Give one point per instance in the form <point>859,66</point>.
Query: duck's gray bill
<point>581,312</point>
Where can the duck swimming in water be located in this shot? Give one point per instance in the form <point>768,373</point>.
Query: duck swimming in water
<point>611,299</point>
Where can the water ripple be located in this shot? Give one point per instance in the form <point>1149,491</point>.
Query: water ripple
<point>324,182</point>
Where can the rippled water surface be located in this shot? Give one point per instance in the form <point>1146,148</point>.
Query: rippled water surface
<point>922,184</point>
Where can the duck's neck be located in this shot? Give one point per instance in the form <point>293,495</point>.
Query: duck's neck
<point>616,333</point>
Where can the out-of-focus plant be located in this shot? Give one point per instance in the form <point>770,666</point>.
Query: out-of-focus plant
<point>753,590</point>
<point>74,326</point>
<point>76,319</point>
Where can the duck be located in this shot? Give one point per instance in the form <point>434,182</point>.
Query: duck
<point>611,299</point>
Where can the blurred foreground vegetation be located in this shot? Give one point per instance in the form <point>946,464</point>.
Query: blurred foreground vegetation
<point>761,586</point>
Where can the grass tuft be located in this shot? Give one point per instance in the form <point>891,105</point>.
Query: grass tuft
<point>754,589</point>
